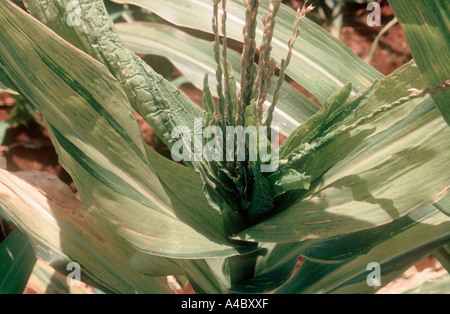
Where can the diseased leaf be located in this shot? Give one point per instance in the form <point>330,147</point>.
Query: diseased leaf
<point>368,176</point>
<point>5,83</point>
<point>427,27</point>
<point>413,238</point>
<point>61,232</point>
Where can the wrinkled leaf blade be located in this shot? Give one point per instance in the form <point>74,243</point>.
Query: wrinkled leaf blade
<point>158,101</point>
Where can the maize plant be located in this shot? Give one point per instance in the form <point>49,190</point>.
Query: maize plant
<point>360,179</point>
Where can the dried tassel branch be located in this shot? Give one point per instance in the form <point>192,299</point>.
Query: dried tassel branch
<point>266,67</point>
<point>219,71</point>
<point>301,13</point>
<point>227,113</point>
<point>269,72</point>
<point>248,58</point>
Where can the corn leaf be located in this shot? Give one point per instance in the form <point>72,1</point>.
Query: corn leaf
<point>336,249</point>
<point>16,263</point>
<point>185,189</point>
<point>443,256</point>
<point>444,205</point>
<point>427,28</point>
<point>155,266</point>
<point>370,175</point>
<point>267,281</point>
<point>46,280</point>
<point>207,276</point>
<point>5,84</point>
<point>413,238</point>
<point>60,231</point>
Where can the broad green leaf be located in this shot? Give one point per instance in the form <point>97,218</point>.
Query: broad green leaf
<point>185,189</point>
<point>16,263</point>
<point>413,238</point>
<point>381,169</point>
<point>5,84</point>
<point>329,250</point>
<point>427,28</point>
<point>335,249</point>
<point>205,276</point>
<point>60,231</point>
<point>268,281</point>
<point>212,275</point>
<point>194,57</point>
<point>155,266</point>
<point>320,62</point>
<point>209,276</point>
<point>97,138</point>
